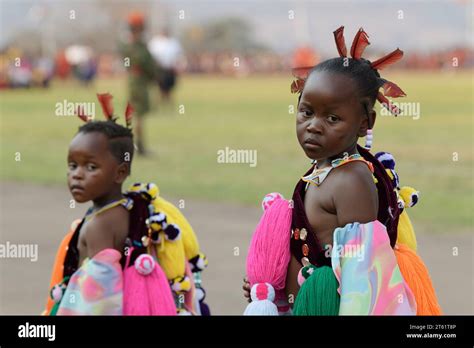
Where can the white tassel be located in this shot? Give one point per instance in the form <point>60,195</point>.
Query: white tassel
<point>262,295</point>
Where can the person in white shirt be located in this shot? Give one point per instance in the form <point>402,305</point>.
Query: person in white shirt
<point>168,53</point>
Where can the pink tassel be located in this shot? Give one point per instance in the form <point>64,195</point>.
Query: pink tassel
<point>147,294</point>
<point>269,254</point>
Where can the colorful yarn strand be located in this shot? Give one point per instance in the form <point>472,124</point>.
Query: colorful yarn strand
<point>318,294</point>
<point>416,275</point>
<point>269,255</point>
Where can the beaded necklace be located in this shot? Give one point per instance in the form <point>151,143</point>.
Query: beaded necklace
<point>123,201</point>
<point>318,175</point>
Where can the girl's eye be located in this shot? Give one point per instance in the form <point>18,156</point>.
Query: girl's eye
<point>306,113</point>
<point>72,166</point>
<point>91,167</point>
<point>332,118</point>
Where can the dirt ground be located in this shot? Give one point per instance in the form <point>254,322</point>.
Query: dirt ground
<point>33,214</point>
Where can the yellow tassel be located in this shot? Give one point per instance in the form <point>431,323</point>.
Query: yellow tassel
<point>406,233</point>
<point>170,254</point>
<point>418,280</point>
<point>174,215</point>
<point>171,257</point>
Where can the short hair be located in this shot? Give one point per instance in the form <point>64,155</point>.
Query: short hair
<point>120,138</point>
<point>367,79</point>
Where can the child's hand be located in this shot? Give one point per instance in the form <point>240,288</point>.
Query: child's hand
<point>246,288</point>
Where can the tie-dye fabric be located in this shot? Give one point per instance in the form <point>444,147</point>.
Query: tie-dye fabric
<point>96,288</point>
<point>370,282</point>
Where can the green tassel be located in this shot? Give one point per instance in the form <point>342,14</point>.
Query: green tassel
<point>55,308</point>
<point>318,295</point>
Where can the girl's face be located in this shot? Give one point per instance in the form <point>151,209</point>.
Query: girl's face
<point>93,171</point>
<point>330,116</point>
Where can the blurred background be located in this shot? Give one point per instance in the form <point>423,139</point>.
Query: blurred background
<point>224,82</point>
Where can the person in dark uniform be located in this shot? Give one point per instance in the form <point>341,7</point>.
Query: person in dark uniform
<point>142,69</point>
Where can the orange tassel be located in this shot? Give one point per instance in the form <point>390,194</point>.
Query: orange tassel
<point>57,274</point>
<point>418,279</point>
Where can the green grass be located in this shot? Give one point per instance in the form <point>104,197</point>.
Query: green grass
<point>252,113</point>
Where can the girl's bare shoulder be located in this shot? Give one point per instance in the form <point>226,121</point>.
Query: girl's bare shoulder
<point>354,193</point>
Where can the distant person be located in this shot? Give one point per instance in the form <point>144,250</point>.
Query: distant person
<point>142,69</point>
<point>168,53</point>
<point>44,71</point>
<point>63,68</point>
<point>21,76</point>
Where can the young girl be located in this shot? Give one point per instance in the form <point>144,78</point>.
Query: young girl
<point>336,245</point>
<point>133,253</point>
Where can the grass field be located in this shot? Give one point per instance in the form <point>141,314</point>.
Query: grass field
<point>252,113</point>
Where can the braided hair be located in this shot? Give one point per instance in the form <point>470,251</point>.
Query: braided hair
<point>120,138</point>
<point>368,80</point>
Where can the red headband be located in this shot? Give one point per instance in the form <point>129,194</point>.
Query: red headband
<point>105,100</point>
<point>359,44</point>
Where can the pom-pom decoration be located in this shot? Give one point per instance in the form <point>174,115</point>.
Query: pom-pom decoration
<point>304,273</point>
<point>181,284</point>
<point>262,296</point>
<point>198,263</point>
<point>144,264</point>
<point>409,195</point>
<point>269,199</point>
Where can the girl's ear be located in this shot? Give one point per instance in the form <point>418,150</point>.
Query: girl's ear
<point>372,117</point>
<point>367,123</point>
<point>123,170</point>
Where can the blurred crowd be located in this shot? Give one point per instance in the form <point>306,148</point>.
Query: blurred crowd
<point>230,63</point>
<point>20,70</point>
